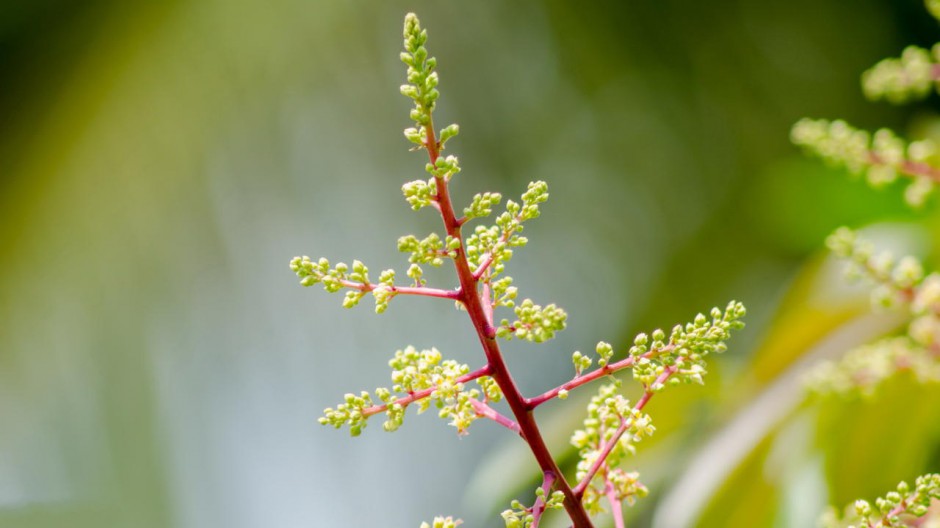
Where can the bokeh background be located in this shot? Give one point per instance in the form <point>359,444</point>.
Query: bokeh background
<point>160,163</point>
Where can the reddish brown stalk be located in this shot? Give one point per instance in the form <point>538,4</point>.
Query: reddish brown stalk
<point>470,297</point>
<point>624,425</point>
<point>417,395</point>
<point>606,370</point>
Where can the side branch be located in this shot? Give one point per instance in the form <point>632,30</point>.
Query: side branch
<point>915,169</point>
<point>366,287</point>
<point>548,480</point>
<point>584,379</point>
<point>421,394</point>
<point>486,411</point>
<point>616,510</point>
<point>624,425</point>
<point>490,256</point>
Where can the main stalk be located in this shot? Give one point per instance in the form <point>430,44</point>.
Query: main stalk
<point>499,371</point>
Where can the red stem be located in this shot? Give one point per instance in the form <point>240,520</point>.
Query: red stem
<point>470,296</point>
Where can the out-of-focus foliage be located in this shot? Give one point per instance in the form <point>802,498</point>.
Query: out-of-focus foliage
<point>158,161</point>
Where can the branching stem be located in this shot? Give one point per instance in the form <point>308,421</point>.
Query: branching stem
<point>470,297</point>
<point>909,168</point>
<point>584,379</point>
<point>486,411</point>
<point>421,394</point>
<point>616,509</point>
<point>403,290</point>
<point>490,256</point>
<point>548,480</point>
<point>624,425</point>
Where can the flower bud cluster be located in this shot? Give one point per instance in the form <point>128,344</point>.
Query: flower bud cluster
<point>504,293</point>
<point>430,250</point>
<point>519,516</point>
<point>415,371</point>
<point>836,142</point>
<point>482,205</point>
<point>607,411</point>
<point>350,413</point>
<point>496,242</point>
<point>491,390</point>
<point>422,89</point>
<point>900,283</point>
<point>686,348</point>
<point>336,278</point>
<point>311,273</point>
<point>862,370</point>
<point>581,362</point>
<point>444,167</point>
<point>898,80</point>
<point>420,193</point>
<point>896,279</point>
<point>443,522</point>
<point>534,323</point>
<point>894,510</point>
<point>422,79</point>
<point>883,155</point>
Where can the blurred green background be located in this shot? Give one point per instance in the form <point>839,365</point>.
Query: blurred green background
<point>160,162</point>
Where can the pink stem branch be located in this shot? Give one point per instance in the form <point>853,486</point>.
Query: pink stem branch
<point>404,290</point>
<point>616,508</point>
<point>486,411</point>
<point>624,425</point>
<point>481,269</point>
<point>897,510</point>
<point>417,395</point>
<point>606,370</point>
<point>548,480</point>
<point>909,168</point>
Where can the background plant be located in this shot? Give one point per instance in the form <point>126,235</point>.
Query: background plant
<point>900,284</point>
